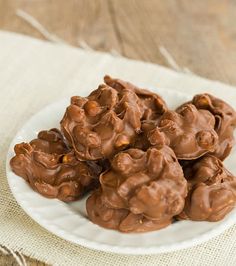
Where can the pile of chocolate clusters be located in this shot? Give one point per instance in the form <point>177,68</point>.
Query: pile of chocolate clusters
<point>145,165</point>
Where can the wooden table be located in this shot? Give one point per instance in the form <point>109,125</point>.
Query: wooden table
<point>198,35</point>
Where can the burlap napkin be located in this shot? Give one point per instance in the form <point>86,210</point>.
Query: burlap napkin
<point>33,74</point>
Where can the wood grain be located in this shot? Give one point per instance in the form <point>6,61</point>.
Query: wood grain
<point>200,35</point>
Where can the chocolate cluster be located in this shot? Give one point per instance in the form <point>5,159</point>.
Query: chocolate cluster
<point>52,169</point>
<point>144,164</point>
<point>188,131</point>
<point>225,121</point>
<point>211,190</point>
<point>142,191</point>
<point>109,119</point>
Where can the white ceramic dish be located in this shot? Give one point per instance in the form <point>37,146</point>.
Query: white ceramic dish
<point>69,221</point>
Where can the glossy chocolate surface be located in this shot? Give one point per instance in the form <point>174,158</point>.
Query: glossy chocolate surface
<point>52,170</point>
<point>141,192</point>
<point>151,104</point>
<point>109,119</point>
<point>225,121</point>
<point>188,131</point>
<point>211,190</point>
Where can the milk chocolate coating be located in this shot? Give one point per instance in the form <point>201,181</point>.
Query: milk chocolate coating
<point>188,131</point>
<point>52,170</point>
<point>141,192</point>
<point>101,124</point>
<point>108,120</point>
<point>151,104</point>
<point>211,190</point>
<point>50,141</point>
<point>225,121</point>
<point>120,219</point>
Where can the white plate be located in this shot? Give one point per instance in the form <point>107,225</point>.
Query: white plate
<point>69,221</point>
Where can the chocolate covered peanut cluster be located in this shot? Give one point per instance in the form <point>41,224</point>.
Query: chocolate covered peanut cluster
<point>53,170</point>
<point>225,121</point>
<point>188,131</point>
<point>141,192</point>
<point>109,119</point>
<point>211,190</point>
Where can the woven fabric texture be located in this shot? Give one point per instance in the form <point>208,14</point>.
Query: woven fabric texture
<point>33,74</point>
